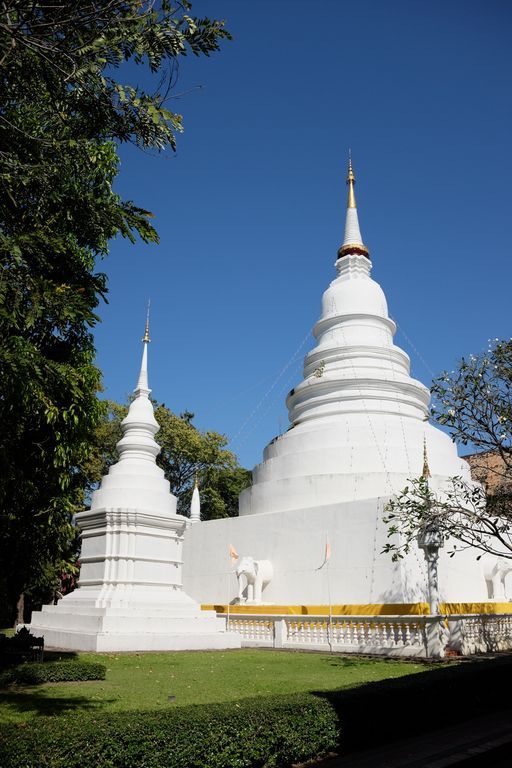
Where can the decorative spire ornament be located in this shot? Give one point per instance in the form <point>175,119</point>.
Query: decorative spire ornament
<point>351,180</point>
<point>146,338</point>
<point>140,426</point>
<point>426,469</point>
<point>142,383</point>
<point>195,504</point>
<point>352,242</point>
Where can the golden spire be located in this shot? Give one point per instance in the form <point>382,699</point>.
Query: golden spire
<point>352,242</point>
<point>426,469</point>
<point>146,338</point>
<point>351,180</point>
<point>196,483</point>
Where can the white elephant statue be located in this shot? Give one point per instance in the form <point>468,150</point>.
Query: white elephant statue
<point>496,569</point>
<point>255,575</point>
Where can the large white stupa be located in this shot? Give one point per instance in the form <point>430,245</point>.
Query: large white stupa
<point>130,595</point>
<point>358,424</point>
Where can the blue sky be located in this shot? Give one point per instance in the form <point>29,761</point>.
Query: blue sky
<point>250,209</point>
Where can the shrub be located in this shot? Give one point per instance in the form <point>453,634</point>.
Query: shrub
<point>32,673</point>
<point>263,732</point>
<point>252,733</point>
<point>22,646</point>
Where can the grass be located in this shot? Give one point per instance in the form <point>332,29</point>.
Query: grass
<point>146,681</point>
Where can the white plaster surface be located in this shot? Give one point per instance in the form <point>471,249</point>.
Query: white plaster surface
<point>294,541</point>
<point>130,594</point>
<point>358,423</point>
<point>357,419</point>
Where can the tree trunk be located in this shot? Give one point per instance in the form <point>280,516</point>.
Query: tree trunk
<point>20,610</point>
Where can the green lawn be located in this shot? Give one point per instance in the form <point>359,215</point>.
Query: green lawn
<point>145,681</point>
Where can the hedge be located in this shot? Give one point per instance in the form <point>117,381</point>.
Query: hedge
<point>264,731</point>
<point>32,673</point>
<point>251,733</point>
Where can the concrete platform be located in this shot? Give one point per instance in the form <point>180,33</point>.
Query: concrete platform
<point>110,629</point>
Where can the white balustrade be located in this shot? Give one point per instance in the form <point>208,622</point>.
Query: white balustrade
<point>420,636</point>
<point>483,633</point>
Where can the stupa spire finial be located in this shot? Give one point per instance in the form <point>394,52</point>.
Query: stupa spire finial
<point>426,469</point>
<point>351,180</point>
<point>139,426</point>
<point>352,242</point>
<point>146,338</point>
<point>142,383</point>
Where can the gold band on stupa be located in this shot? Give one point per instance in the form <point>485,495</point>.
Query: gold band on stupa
<point>358,248</point>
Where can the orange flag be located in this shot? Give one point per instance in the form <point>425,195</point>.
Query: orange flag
<point>233,554</point>
<point>327,554</point>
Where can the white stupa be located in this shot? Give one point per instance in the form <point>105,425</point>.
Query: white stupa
<point>130,594</point>
<point>358,423</point>
<point>358,419</point>
<point>195,504</point>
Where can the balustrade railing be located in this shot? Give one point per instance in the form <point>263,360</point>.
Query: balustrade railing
<point>421,636</point>
<point>385,635</point>
<point>482,633</point>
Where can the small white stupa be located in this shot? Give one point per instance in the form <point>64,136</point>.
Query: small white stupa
<point>358,424</point>
<point>130,595</point>
<point>195,504</point>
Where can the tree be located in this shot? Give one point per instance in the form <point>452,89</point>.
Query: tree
<point>475,403</point>
<point>64,109</point>
<point>186,453</point>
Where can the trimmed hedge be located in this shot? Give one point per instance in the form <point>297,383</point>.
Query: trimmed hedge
<point>33,673</point>
<point>252,733</point>
<point>266,732</point>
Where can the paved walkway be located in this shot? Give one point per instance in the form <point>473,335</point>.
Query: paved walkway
<point>478,742</point>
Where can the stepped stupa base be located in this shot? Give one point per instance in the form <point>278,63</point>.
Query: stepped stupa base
<point>88,628</point>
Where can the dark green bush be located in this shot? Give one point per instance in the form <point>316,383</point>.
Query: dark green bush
<point>252,733</point>
<point>265,732</point>
<point>33,673</point>
<point>22,646</point>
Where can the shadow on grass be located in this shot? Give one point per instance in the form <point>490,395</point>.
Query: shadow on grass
<point>8,660</point>
<point>372,661</point>
<point>32,700</point>
<point>386,710</point>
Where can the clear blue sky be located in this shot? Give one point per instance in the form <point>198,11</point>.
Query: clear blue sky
<point>250,210</point>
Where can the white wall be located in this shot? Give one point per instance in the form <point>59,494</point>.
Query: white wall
<point>294,541</point>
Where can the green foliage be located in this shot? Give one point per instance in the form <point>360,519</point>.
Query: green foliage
<point>265,731</point>
<point>144,681</point>
<point>221,489</point>
<point>475,403</point>
<point>19,647</point>
<point>64,110</point>
<point>186,453</point>
<point>32,673</point>
<point>271,731</point>
<point>459,513</point>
